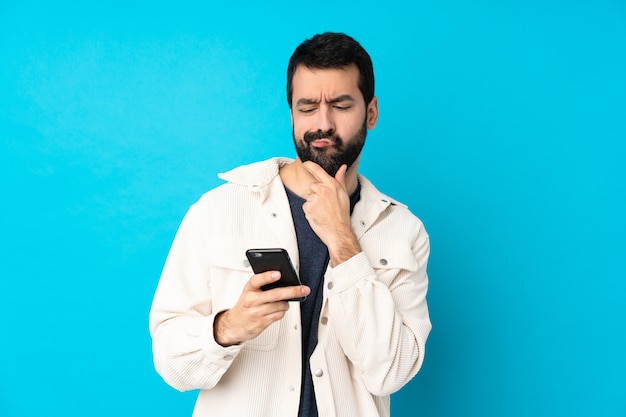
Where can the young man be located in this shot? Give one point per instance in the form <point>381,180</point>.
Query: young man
<point>361,332</point>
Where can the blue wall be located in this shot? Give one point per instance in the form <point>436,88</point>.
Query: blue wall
<point>502,125</point>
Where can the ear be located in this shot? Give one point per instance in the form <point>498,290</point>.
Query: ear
<point>372,113</point>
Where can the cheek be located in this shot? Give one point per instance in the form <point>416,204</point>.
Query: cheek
<point>300,127</point>
<point>352,126</point>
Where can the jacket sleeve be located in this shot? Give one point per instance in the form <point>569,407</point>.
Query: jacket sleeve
<point>377,303</point>
<point>185,352</point>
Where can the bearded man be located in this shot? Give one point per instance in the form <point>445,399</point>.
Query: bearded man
<point>360,333</point>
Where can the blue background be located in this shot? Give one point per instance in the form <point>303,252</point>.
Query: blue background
<point>502,125</point>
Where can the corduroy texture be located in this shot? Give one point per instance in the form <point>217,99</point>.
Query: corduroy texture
<point>374,320</point>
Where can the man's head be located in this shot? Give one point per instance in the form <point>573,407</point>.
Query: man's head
<point>332,50</point>
<point>330,90</point>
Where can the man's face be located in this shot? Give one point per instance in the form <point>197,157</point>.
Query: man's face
<point>329,116</point>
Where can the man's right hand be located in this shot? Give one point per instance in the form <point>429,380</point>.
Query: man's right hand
<point>255,310</point>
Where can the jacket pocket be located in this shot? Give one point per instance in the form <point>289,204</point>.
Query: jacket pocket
<point>388,256</point>
<point>229,271</point>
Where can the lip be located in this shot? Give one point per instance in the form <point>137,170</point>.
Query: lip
<point>322,143</point>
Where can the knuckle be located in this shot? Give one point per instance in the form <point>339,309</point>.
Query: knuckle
<point>247,301</point>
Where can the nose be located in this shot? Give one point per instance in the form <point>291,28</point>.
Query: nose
<point>325,120</point>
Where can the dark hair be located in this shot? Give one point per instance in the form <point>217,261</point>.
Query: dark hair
<point>333,50</point>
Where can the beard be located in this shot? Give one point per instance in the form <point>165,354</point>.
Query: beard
<point>331,158</point>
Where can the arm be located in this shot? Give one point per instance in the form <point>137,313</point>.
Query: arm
<point>186,354</point>
<point>380,316</point>
<point>194,343</point>
<point>368,307</point>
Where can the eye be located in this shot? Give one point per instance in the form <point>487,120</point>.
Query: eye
<point>306,110</point>
<point>342,107</point>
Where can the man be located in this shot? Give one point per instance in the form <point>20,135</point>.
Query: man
<point>360,334</point>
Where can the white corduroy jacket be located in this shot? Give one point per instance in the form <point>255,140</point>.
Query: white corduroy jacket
<point>374,320</point>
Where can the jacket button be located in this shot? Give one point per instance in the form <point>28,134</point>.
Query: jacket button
<point>383,262</point>
<point>228,357</point>
<point>330,285</point>
<point>324,320</point>
<point>318,372</point>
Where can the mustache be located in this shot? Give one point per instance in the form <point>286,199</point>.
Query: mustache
<point>329,134</point>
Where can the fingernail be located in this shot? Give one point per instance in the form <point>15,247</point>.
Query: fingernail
<point>306,290</point>
<point>275,274</point>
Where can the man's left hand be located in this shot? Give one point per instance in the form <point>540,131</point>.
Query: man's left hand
<point>327,209</point>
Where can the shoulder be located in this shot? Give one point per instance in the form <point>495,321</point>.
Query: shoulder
<point>243,181</point>
<point>392,218</point>
<point>257,174</point>
<point>369,191</point>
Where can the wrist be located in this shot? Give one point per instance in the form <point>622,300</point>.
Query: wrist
<point>345,247</point>
<point>221,330</point>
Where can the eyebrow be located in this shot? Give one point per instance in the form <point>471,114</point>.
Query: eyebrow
<point>338,99</point>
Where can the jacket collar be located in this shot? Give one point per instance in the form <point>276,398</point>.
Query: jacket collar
<point>259,175</point>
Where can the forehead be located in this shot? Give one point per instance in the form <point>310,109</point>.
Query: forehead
<point>327,82</point>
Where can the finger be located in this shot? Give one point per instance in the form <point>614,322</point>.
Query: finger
<point>286,293</point>
<point>268,308</point>
<point>276,315</point>
<point>314,189</point>
<point>317,171</point>
<point>340,176</point>
<point>259,280</point>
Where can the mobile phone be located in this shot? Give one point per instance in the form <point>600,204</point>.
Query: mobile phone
<point>274,259</point>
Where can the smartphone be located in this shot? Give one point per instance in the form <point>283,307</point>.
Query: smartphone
<point>274,259</point>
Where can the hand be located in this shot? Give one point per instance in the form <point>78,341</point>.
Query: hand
<point>255,310</point>
<point>327,209</point>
